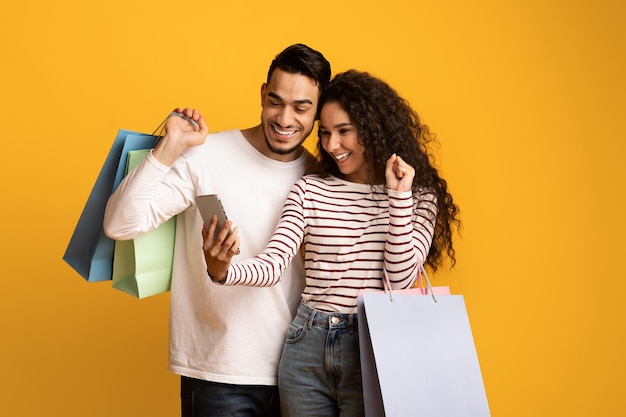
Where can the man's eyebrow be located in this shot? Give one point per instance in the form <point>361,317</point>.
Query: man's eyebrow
<point>297,102</point>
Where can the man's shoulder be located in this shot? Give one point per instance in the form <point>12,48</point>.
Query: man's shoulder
<point>224,135</point>
<point>214,141</point>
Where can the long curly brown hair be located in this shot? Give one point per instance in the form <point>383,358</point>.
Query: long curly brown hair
<point>387,124</point>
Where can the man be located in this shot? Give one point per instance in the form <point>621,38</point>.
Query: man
<point>226,342</point>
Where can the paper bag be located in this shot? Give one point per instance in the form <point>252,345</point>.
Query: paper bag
<point>142,267</point>
<point>89,251</point>
<point>418,357</point>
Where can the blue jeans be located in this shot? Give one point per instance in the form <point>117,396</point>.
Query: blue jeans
<point>210,399</point>
<point>320,371</point>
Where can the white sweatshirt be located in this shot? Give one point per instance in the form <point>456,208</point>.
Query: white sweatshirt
<point>223,334</point>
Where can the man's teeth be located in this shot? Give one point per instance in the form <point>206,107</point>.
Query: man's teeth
<point>342,156</point>
<point>285,132</point>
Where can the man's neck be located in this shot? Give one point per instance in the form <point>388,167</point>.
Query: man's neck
<point>256,138</point>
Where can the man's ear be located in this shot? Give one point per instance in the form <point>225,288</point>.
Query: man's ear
<point>263,93</point>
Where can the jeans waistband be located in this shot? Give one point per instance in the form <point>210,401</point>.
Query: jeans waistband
<point>327,320</point>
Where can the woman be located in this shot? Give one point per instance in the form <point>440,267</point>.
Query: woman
<point>375,206</point>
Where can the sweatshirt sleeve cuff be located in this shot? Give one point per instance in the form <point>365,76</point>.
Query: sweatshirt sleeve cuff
<point>155,163</point>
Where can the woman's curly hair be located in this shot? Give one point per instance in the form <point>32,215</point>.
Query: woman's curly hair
<point>386,125</point>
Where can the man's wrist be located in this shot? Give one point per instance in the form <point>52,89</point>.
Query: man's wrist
<point>166,152</point>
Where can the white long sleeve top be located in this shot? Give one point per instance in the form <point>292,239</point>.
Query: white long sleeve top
<point>351,233</point>
<point>220,334</point>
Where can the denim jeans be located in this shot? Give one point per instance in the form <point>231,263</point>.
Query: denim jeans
<point>209,399</point>
<point>320,371</point>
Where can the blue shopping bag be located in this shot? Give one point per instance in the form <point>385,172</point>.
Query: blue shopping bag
<point>89,251</point>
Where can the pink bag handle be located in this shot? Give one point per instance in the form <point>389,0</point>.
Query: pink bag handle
<point>387,283</point>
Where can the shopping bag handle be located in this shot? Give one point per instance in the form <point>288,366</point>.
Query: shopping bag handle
<point>428,286</point>
<point>161,127</point>
<point>387,283</point>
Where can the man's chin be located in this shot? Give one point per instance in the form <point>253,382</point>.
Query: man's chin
<point>283,148</point>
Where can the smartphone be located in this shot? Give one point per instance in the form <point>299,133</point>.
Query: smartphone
<point>210,205</point>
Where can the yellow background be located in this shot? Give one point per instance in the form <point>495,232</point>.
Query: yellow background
<point>527,98</point>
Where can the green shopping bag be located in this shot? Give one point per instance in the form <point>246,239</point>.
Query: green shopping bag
<point>142,267</point>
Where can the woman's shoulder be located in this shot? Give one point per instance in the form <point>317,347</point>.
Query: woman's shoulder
<point>332,185</point>
<point>318,180</point>
<point>312,178</point>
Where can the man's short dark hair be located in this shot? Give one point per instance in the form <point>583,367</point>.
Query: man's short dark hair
<point>301,59</point>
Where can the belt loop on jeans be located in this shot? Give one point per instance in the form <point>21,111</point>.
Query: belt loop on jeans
<point>350,323</point>
<point>311,318</point>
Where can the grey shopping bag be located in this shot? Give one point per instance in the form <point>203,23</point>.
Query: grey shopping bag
<point>418,357</point>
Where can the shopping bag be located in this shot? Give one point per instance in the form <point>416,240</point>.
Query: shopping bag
<point>418,356</point>
<point>142,267</point>
<point>89,251</point>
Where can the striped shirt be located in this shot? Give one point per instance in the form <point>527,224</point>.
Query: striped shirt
<point>351,233</point>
